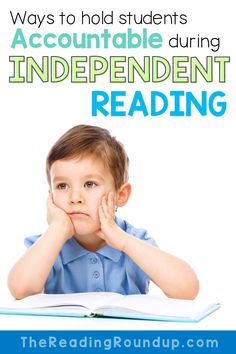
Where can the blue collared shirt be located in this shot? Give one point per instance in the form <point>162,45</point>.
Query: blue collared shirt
<point>108,269</point>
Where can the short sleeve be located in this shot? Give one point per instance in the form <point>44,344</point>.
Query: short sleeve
<point>29,241</point>
<point>142,234</point>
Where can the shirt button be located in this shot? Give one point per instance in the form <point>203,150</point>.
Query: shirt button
<point>93,260</point>
<point>96,274</point>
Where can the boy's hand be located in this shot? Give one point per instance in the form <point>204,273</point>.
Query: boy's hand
<point>109,231</point>
<point>57,216</point>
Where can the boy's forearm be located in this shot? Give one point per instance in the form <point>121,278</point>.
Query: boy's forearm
<point>171,274</point>
<point>29,274</point>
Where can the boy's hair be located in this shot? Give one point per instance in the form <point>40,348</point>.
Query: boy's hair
<point>86,140</point>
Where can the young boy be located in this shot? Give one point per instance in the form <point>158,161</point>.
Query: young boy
<point>85,247</point>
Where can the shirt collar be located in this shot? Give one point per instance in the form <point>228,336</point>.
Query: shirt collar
<point>109,252</point>
<point>72,250</point>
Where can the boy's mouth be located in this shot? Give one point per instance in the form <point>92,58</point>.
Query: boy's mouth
<point>77,214</point>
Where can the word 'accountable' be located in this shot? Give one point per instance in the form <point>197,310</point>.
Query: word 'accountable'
<point>105,40</point>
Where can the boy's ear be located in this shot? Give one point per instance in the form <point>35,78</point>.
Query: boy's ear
<point>123,194</point>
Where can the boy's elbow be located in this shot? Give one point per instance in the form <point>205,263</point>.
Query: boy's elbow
<point>193,286</point>
<point>19,290</point>
<point>192,291</point>
<point>20,293</point>
<point>189,289</point>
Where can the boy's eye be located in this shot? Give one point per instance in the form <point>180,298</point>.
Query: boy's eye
<point>90,184</point>
<point>62,186</point>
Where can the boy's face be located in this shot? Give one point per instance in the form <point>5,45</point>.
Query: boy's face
<point>77,187</point>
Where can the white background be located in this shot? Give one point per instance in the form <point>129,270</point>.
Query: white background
<point>182,168</point>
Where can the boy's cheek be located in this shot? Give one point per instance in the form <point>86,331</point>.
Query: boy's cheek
<point>58,201</point>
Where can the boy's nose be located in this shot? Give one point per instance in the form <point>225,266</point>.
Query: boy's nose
<point>76,197</point>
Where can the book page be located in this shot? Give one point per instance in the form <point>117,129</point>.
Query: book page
<point>88,300</point>
<point>158,306</point>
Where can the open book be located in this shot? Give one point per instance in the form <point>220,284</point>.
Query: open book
<point>108,304</point>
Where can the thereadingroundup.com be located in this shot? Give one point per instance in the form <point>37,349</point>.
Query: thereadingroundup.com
<point>117,342</point>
